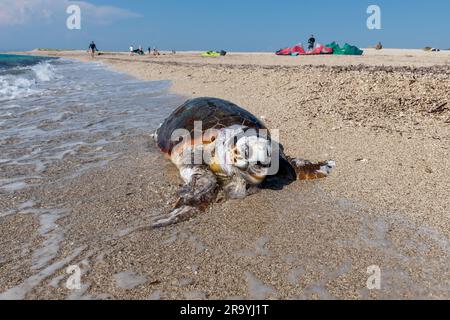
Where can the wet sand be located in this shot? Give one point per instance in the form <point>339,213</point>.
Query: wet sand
<point>385,119</point>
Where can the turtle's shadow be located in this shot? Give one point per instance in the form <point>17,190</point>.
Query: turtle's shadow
<point>285,175</point>
<point>275,183</point>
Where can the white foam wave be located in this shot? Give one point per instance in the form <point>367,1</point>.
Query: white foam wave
<point>16,87</point>
<point>24,84</point>
<point>44,72</point>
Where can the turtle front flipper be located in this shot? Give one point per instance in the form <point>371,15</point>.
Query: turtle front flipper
<point>199,191</point>
<point>238,188</point>
<point>307,170</point>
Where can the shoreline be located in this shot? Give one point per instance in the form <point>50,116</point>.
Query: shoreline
<point>371,57</point>
<point>385,204</point>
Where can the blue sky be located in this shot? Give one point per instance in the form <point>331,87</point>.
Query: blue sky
<point>234,25</point>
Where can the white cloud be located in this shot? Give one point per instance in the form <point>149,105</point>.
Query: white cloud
<point>21,12</point>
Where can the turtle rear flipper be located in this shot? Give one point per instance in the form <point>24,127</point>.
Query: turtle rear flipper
<point>199,191</point>
<point>307,170</point>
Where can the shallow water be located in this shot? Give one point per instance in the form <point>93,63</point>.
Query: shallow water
<point>60,108</point>
<point>129,280</point>
<point>58,120</point>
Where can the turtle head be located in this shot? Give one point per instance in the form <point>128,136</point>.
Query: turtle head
<point>251,156</point>
<point>245,152</point>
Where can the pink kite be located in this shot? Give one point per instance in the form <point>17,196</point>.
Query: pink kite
<point>298,50</point>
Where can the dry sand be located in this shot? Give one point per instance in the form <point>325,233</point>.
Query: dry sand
<point>384,117</point>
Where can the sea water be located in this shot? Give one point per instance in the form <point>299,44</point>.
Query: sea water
<point>52,108</point>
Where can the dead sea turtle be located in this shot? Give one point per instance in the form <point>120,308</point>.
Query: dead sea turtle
<point>217,145</point>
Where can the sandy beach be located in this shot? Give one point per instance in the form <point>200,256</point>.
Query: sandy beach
<point>384,117</point>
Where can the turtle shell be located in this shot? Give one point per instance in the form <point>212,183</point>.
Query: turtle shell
<point>214,114</point>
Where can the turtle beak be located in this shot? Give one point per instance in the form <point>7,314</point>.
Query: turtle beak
<point>255,174</point>
<point>241,164</point>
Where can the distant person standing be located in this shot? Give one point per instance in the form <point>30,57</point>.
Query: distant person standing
<point>131,50</point>
<point>149,50</point>
<point>92,49</point>
<point>311,42</point>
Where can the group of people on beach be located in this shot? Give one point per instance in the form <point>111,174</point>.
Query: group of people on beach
<point>141,52</point>
<point>93,48</point>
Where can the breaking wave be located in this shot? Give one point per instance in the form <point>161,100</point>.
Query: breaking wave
<point>20,82</point>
